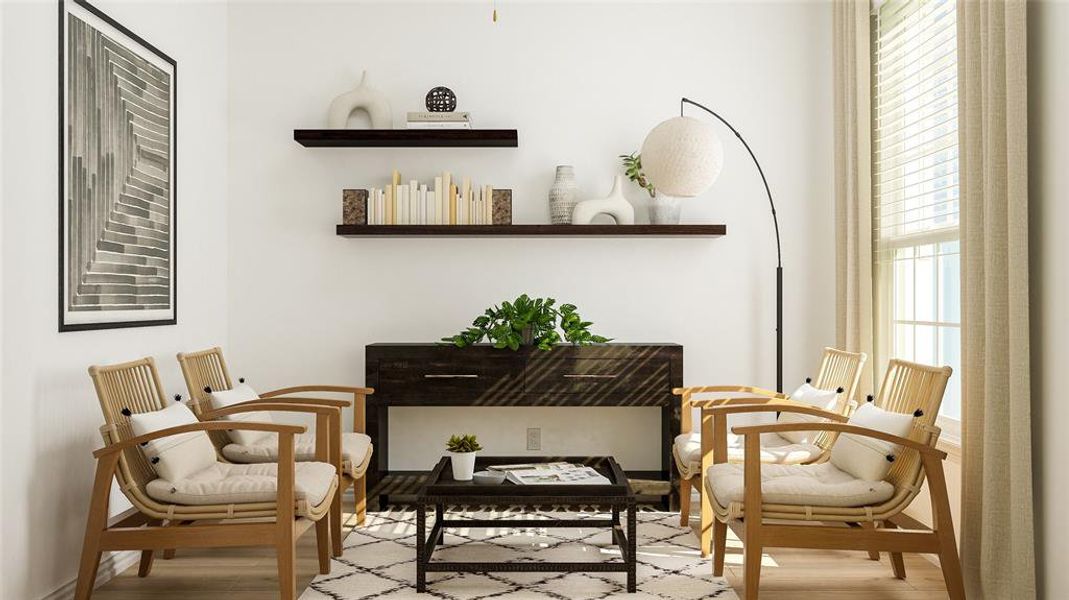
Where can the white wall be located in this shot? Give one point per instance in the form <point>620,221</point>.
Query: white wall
<point>50,414</point>
<point>582,83</point>
<point>1048,189</point>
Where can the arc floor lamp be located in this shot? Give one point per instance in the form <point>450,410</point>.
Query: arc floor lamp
<point>683,157</point>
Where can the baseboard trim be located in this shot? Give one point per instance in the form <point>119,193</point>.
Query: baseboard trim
<point>110,565</point>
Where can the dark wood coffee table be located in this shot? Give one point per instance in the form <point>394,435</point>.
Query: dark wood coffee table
<point>440,491</point>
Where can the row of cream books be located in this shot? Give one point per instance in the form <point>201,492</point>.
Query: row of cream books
<point>439,120</point>
<point>559,473</point>
<point>452,201</point>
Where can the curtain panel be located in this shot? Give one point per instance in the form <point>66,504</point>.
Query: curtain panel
<point>998,552</point>
<point>853,183</point>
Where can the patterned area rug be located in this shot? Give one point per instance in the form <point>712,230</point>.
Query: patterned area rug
<point>380,561</point>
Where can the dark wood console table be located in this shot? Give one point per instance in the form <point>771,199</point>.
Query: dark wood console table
<point>439,375</point>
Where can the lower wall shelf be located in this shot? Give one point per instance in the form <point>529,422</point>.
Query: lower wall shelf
<point>707,230</point>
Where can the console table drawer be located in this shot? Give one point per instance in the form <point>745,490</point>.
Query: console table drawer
<point>448,378</point>
<point>597,375</point>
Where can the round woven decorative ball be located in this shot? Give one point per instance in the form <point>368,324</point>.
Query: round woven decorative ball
<point>441,99</point>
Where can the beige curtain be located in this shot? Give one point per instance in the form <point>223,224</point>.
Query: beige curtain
<point>853,183</point>
<point>997,528</point>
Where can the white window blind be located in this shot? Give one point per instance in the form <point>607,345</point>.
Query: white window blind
<point>915,120</point>
<point>915,188</point>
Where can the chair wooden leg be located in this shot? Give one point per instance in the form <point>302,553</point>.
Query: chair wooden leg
<point>944,529</point>
<point>95,525</point>
<point>323,544</point>
<point>360,496</point>
<point>751,562</point>
<point>871,525</point>
<point>336,518</point>
<point>707,519</point>
<point>684,502</point>
<point>898,566</point>
<point>720,539</point>
<point>145,566</point>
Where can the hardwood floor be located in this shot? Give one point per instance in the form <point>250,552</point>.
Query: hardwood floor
<point>249,574</point>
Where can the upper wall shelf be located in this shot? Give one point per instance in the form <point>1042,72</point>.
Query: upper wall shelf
<point>711,230</point>
<point>406,138</point>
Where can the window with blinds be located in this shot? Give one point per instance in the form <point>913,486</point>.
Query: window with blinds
<point>915,186</point>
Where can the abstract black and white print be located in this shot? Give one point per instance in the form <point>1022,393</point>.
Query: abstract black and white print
<point>379,560</point>
<point>118,175</point>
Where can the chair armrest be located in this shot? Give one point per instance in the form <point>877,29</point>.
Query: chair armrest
<point>790,407</point>
<point>329,402</point>
<point>750,400</point>
<point>708,389</point>
<point>280,429</point>
<point>924,449</point>
<point>339,389</point>
<point>260,406</point>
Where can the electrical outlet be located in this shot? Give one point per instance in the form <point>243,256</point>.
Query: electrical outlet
<point>534,438</point>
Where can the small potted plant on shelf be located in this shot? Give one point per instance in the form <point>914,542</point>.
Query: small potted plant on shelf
<point>462,450</point>
<point>664,210</point>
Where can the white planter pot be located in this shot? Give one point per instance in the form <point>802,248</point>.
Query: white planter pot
<point>463,465</point>
<point>664,210</point>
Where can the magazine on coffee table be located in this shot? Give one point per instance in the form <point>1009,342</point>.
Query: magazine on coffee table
<point>560,473</point>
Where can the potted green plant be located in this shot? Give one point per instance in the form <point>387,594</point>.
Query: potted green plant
<point>528,321</point>
<point>664,210</point>
<point>462,450</point>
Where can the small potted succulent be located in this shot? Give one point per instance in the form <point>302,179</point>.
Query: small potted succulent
<point>664,210</point>
<point>462,450</point>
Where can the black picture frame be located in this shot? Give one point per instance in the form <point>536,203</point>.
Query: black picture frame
<point>64,8</point>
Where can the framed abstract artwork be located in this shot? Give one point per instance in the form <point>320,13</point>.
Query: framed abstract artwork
<point>117,143</point>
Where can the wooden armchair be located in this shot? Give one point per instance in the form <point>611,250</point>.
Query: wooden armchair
<point>908,388</point>
<point>299,502</point>
<point>206,371</point>
<point>838,370</point>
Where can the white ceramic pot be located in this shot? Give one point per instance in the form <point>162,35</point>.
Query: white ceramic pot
<point>614,205</point>
<point>664,210</point>
<point>463,464</point>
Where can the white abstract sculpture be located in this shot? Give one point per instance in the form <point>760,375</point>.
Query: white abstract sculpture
<point>614,205</point>
<point>362,97</point>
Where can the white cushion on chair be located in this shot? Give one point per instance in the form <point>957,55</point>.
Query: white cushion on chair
<point>774,449</point>
<point>238,394</point>
<point>175,456</point>
<point>865,457</point>
<point>354,447</point>
<point>802,485</point>
<point>225,483</point>
<point>817,398</point>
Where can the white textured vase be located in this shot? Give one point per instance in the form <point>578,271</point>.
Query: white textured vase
<point>363,97</point>
<point>562,196</point>
<point>615,205</point>
<point>463,464</point>
<point>664,210</point>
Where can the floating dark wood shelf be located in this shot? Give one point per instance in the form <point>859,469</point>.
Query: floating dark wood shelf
<point>406,138</point>
<point>530,230</point>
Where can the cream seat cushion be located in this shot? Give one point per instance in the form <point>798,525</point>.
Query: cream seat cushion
<point>224,483</point>
<point>354,448</point>
<point>774,449</point>
<point>802,485</point>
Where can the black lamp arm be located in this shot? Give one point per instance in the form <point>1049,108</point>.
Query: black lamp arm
<point>771,204</point>
<point>775,224</point>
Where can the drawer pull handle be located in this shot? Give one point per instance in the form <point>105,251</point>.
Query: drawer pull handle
<point>450,376</point>
<point>588,376</point>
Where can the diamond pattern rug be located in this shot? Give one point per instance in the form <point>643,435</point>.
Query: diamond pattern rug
<point>380,560</point>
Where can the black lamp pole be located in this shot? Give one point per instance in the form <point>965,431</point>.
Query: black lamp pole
<point>779,254</point>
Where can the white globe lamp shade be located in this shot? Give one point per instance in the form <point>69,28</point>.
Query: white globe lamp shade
<point>682,156</point>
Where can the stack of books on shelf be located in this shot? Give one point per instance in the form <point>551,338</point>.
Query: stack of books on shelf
<point>451,201</point>
<point>439,120</point>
